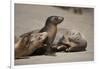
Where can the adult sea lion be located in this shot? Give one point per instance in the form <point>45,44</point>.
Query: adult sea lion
<point>51,28</point>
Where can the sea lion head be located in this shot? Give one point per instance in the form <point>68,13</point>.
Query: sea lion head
<point>74,36</point>
<point>54,20</point>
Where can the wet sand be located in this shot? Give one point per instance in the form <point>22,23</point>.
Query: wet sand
<point>32,17</point>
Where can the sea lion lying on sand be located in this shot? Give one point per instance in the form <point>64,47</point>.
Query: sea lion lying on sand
<point>28,43</point>
<point>72,41</point>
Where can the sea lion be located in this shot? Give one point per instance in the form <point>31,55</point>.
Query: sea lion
<point>51,28</point>
<point>72,41</point>
<point>28,43</point>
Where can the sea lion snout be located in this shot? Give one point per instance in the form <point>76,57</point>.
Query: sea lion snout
<point>60,19</point>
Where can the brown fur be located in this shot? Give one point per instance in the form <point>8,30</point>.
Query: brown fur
<point>26,45</point>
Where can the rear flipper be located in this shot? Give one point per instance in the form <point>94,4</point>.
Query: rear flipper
<point>76,49</point>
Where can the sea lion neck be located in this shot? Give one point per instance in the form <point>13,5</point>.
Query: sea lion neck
<point>50,24</point>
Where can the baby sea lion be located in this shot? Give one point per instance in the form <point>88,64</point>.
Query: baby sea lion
<point>28,43</point>
<point>72,41</point>
<point>51,28</point>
